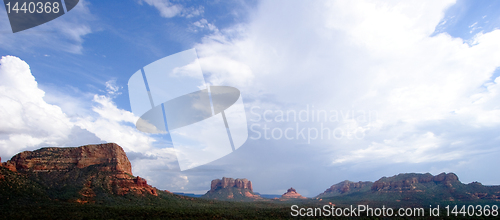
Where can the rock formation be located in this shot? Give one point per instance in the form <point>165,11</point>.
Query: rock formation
<point>231,189</point>
<point>89,168</point>
<point>346,187</point>
<point>409,182</point>
<point>413,187</point>
<point>230,182</point>
<point>62,159</point>
<point>291,194</point>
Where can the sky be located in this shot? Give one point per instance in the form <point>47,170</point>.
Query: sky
<point>333,90</point>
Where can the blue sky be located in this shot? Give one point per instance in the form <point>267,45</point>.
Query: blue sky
<point>426,71</point>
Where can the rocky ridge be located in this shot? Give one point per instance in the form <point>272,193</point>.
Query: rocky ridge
<point>346,187</point>
<point>408,183</point>
<point>413,187</point>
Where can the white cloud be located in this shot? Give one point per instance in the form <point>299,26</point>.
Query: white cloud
<point>369,55</point>
<point>169,10</point>
<point>435,98</point>
<point>193,12</point>
<point>112,89</point>
<point>204,24</point>
<point>418,148</point>
<point>166,8</point>
<point>29,122</point>
<point>115,125</point>
<point>225,71</point>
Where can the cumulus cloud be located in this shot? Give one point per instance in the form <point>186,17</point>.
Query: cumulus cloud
<point>29,122</point>
<point>436,96</point>
<point>115,125</point>
<point>367,55</point>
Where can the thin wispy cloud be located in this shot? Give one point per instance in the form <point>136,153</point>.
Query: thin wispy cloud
<point>168,9</point>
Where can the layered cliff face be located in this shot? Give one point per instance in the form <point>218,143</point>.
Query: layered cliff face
<point>82,173</point>
<point>413,187</point>
<point>291,194</point>
<point>231,189</point>
<point>230,182</point>
<point>409,182</point>
<point>346,187</point>
<point>63,159</point>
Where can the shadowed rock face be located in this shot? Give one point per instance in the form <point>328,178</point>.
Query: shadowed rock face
<point>230,182</point>
<point>87,168</point>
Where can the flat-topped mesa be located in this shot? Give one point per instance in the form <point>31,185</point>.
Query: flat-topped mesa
<point>231,189</point>
<point>110,155</point>
<point>77,166</point>
<point>230,182</point>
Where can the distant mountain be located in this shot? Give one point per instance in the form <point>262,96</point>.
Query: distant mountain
<point>79,174</point>
<point>268,196</point>
<point>101,174</point>
<point>188,194</point>
<point>413,187</point>
<point>231,189</point>
<point>96,182</point>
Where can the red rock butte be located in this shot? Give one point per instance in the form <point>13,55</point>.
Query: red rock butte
<point>109,158</point>
<point>232,189</point>
<point>291,194</point>
<point>55,158</point>
<point>230,182</point>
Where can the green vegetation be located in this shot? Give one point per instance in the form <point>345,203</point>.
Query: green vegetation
<point>230,193</point>
<point>31,198</point>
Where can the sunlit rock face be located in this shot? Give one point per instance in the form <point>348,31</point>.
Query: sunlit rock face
<point>88,168</point>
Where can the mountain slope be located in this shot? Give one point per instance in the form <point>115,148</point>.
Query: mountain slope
<point>346,187</point>
<point>414,188</point>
